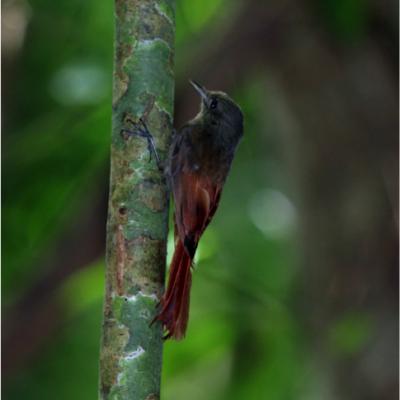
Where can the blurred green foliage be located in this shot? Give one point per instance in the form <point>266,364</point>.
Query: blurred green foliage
<point>50,170</point>
<point>350,333</point>
<point>346,19</point>
<point>243,340</point>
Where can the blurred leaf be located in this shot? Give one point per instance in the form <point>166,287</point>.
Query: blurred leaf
<point>199,12</point>
<point>347,18</point>
<point>83,289</point>
<point>350,333</point>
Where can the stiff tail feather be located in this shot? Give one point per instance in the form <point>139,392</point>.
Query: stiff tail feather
<point>174,314</point>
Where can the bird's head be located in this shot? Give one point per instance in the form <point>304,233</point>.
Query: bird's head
<point>219,110</point>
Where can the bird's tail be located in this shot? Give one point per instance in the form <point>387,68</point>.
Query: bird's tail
<point>174,314</point>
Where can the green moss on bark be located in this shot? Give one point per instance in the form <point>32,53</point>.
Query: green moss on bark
<point>131,350</point>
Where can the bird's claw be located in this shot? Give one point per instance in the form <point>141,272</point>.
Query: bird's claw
<point>145,133</point>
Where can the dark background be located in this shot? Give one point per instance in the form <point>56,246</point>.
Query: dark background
<point>295,294</point>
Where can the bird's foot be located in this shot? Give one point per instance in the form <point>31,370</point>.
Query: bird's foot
<point>145,133</point>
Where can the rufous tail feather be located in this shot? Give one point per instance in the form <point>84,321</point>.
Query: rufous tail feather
<point>174,314</point>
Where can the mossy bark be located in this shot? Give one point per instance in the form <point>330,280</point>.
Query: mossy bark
<point>131,349</point>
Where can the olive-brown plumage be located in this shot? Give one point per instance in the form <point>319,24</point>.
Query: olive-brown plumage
<point>200,159</point>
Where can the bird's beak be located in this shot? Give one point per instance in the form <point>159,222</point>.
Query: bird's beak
<point>202,91</point>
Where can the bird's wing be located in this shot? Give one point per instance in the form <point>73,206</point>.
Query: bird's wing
<point>195,197</point>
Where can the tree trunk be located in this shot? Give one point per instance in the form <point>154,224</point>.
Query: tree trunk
<point>131,349</point>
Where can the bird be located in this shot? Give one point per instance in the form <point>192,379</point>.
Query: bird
<point>200,158</point>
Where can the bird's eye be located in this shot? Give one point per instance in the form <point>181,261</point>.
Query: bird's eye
<point>214,104</point>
